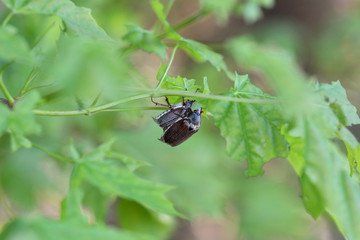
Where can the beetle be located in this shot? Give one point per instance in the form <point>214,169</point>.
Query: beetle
<point>179,122</point>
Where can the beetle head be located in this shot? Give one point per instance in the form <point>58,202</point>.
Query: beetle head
<point>195,117</point>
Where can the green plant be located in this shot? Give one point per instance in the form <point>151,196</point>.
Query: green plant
<point>59,58</point>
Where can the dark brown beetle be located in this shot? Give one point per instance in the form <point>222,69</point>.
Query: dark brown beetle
<point>179,122</point>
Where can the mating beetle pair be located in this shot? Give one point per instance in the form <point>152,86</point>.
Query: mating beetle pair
<point>179,123</point>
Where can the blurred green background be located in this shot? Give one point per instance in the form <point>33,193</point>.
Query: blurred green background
<point>210,188</point>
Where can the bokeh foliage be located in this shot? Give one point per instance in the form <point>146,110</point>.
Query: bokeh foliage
<point>69,86</point>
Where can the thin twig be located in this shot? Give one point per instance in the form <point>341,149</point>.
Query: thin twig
<point>52,154</point>
<point>167,68</point>
<point>7,19</point>
<point>186,22</point>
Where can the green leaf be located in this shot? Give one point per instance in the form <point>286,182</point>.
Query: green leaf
<point>18,141</point>
<point>222,9</point>
<point>134,217</point>
<point>340,105</point>
<point>22,120</point>
<point>159,11</point>
<point>326,184</point>
<point>278,66</point>
<point>84,67</point>
<point>206,86</point>
<point>48,43</point>
<point>312,197</point>
<point>113,180</point>
<point>129,162</point>
<point>201,52</point>
<point>22,177</point>
<point>145,40</point>
<point>161,71</point>
<point>251,130</point>
<point>41,228</point>
<point>78,21</point>
<point>13,46</point>
<point>295,156</point>
<point>352,147</point>
<point>74,154</point>
<point>253,198</point>
<point>97,202</point>
<point>327,103</point>
<point>71,205</point>
<point>99,153</point>
<point>178,83</point>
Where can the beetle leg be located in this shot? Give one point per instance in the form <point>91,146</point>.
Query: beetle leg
<point>167,101</point>
<point>159,104</point>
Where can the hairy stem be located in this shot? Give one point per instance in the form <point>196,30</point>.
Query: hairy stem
<point>155,93</point>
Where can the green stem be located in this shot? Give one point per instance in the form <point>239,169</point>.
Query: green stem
<point>178,26</point>
<point>7,19</point>
<point>154,93</point>
<point>7,65</point>
<point>186,22</point>
<point>167,9</point>
<point>53,154</point>
<point>167,68</point>
<point>6,92</point>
